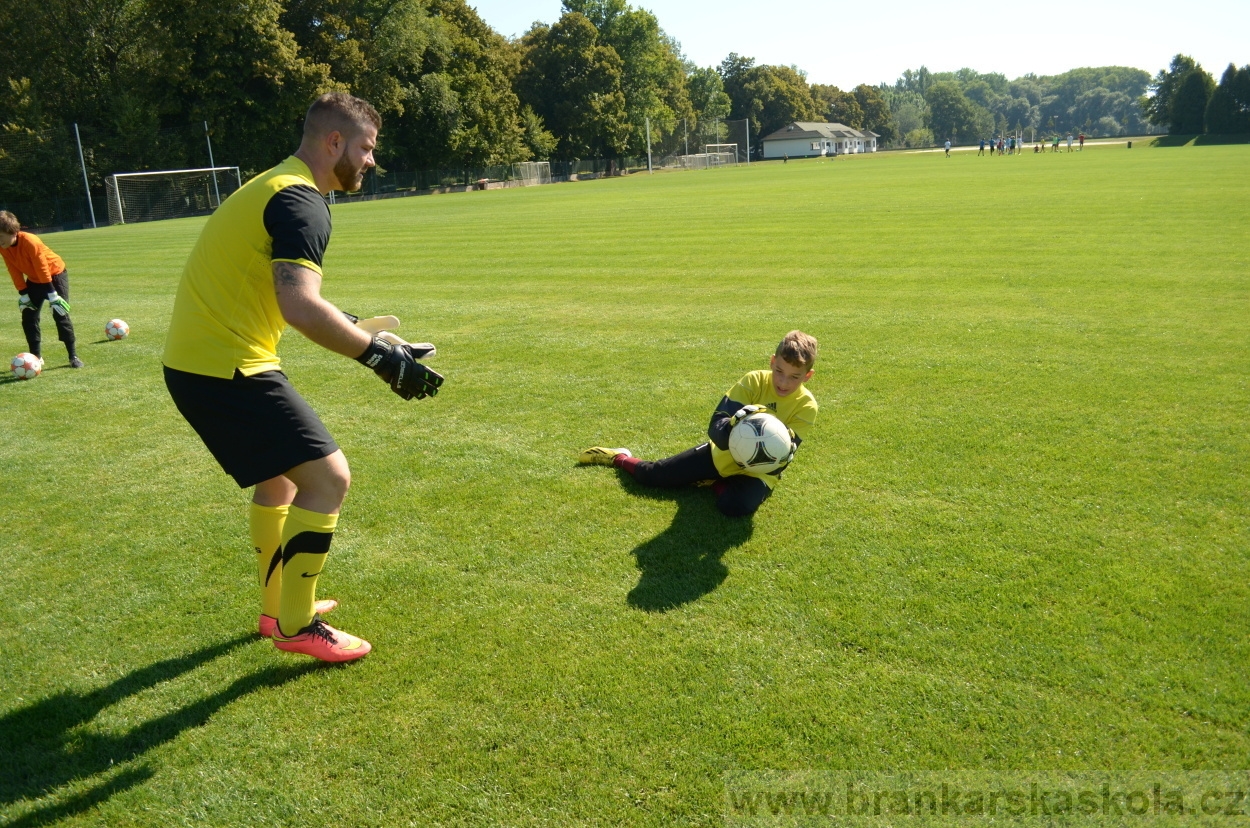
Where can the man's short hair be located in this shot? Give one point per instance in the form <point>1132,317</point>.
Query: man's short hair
<point>797,348</point>
<point>339,111</point>
<point>9,223</point>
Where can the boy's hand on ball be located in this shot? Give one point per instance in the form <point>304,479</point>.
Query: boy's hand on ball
<point>794,446</point>
<point>744,412</point>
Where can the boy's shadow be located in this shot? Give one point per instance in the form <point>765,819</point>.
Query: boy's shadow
<point>44,748</point>
<point>683,563</point>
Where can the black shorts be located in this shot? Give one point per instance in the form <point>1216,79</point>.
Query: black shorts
<point>256,427</point>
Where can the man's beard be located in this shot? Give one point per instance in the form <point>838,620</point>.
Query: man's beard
<point>349,175</point>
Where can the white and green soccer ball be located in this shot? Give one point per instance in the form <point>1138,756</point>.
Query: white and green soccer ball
<point>760,443</point>
<point>26,366</point>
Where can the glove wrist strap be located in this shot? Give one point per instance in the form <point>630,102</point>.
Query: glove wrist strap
<point>378,350</point>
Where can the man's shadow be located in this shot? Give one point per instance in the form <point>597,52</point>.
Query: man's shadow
<point>683,563</point>
<point>44,748</point>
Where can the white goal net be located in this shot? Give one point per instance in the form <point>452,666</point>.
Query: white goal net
<point>721,154</point>
<point>530,173</point>
<point>705,160</point>
<point>151,196</point>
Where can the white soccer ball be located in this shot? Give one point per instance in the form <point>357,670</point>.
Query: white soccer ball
<point>116,329</point>
<point>26,366</point>
<point>760,443</point>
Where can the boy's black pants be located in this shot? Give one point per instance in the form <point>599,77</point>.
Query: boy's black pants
<point>736,496</point>
<point>38,294</point>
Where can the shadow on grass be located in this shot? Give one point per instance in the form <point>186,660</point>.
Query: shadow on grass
<point>683,563</point>
<point>1196,140</point>
<point>44,746</point>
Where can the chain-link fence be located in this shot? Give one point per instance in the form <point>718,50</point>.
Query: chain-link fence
<point>44,180</point>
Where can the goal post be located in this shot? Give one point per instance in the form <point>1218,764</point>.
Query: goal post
<point>720,155</point>
<point>164,194</point>
<point>530,173</point>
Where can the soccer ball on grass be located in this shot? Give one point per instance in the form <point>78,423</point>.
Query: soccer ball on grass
<point>760,443</point>
<point>26,366</point>
<point>116,329</point>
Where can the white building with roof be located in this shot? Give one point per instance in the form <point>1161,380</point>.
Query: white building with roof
<point>805,139</point>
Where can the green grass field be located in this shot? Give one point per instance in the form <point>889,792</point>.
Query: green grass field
<point>1017,539</point>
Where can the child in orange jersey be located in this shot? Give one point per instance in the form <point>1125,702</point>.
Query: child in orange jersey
<point>39,276</point>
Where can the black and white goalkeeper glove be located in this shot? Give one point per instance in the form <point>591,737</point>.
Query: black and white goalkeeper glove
<point>24,303</point>
<point>397,365</point>
<point>744,412</point>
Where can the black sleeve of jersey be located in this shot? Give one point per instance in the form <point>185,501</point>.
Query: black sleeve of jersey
<point>718,429</point>
<point>298,220</point>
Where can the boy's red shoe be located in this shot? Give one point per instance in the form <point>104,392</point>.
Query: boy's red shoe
<point>268,625</point>
<point>322,641</point>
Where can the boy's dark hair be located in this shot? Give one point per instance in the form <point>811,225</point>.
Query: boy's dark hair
<point>797,348</point>
<point>9,223</point>
<point>342,112</point>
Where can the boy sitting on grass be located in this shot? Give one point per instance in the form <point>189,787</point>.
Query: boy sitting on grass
<point>739,493</point>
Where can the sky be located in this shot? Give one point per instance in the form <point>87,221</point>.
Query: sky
<point>846,44</point>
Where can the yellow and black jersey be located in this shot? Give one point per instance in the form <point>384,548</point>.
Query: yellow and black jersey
<point>797,410</point>
<point>226,314</point>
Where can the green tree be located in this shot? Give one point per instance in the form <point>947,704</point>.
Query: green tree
<point>84,62</point>
<point>574,84</point>
<point>773,96</point>
<point>951,115</point>
<point>1189,103</point>
<point>709,102</point>
<point>836,106</point>
<point>1228,111</point>
<point>439,76</point>
<point>235,67</point>
<point>653,77</point>
<point>877,115</point>
<point>1157,106</point>
<point>733,72</point>
<point>908,111</point>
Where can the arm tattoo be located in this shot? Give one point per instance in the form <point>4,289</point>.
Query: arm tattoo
<point>286,274</point>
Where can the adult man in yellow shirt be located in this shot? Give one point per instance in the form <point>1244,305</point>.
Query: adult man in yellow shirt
<point>256,268</point>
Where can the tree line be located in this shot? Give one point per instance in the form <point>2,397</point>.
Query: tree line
<point>150,82</point>
<point>1187,101</point>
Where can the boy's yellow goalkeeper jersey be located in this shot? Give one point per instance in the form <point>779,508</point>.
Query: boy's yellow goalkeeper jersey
<point>226,314</point>
<point>797,410</point>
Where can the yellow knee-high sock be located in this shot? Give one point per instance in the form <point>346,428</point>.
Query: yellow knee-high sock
<point>266,524</point>
<point>306,540</point>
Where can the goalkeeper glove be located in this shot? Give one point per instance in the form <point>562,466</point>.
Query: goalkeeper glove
<point>23,302</point>
<point>59,306</point>
<point>794,446</point>
<point>398,367</point>
<point>744,412</point>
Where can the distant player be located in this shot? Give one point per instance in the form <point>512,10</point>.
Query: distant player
<point>255,269</point>
<point>981,147</point>
<point>1080,139</point>
<point>948,148</point>
<point>1069,142</point>
<point>39,276</point>
<point>781,390</point>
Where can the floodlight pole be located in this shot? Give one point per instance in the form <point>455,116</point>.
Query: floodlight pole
<point>685,130</point>
<point>207,138</point>
<point>746,123</point>
<point>649,170</point>
<point>86,186</point>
